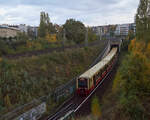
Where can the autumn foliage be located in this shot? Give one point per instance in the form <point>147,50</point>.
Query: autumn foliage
<point>95,108</point>
<point>132,82</point>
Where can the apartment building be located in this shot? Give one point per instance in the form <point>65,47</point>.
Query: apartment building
<point>7,32</point>
<point>122,29</point>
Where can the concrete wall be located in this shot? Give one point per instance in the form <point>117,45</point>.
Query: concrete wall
<point>34,113</point>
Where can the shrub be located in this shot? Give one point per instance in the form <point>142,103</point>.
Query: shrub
<point>95,107</point>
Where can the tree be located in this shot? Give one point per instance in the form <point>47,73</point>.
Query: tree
<point>75,31</point>
<point>31,33</point>
<point>45,25</point>
<point>51,38</point>
<point>42,28</point>
<point>91,35</point>
<point>131,35</point>
<point>143,21</point>
<point>21,37</point>
<point>112,29</point>
<point>7,101</point>
<point>95,108</point>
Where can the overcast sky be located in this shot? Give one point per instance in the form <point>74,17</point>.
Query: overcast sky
<point>90,12</point>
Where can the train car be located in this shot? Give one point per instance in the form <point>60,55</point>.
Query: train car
<point>92,77</point>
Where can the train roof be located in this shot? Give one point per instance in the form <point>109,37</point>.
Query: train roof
<point>110,55</point>
<point>91,72</point>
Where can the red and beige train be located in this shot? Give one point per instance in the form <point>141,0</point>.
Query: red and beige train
<point>86,82</point>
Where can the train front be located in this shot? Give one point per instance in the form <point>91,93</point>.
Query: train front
<point>82,86</point>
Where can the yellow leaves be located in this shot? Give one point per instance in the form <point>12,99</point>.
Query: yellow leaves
<point>95,108</point>
<point>1,59</point>
<point>32,44</point>
<point>7,101</point>
<point>117,82</point>
<point>44,67</point>
<point>37,45</point>
<point>148,47</point>
<point>57,69</point>
<point>132,44</point>
<point>136,46</point>
<point>34,57</point>
<point>141,55</point>
<point>29,44</point>
<point>137,49</point>
<point>148,51</point>
<point>51,38</point>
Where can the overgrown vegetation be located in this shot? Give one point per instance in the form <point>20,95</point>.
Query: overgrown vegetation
<point>131,86</point>
<point>24,79</point>
<point>95,108</point>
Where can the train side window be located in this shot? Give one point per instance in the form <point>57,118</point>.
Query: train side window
<point>97,76</point>
<point>94,78</point>
<point>100,72</point>
<point>90,82</point>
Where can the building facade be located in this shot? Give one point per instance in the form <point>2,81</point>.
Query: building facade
<point>132,27</point>
<point>23,28</point>
<point>101,30</point>
<point>122,29</point>
<point>32,30</point>
<point>7,32</point>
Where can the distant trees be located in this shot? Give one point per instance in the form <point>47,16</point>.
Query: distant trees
<point>22,37</point>
<point>31,34</point>
<point>143,21</point>
<point>91,35</point>
<point>45,26</point>
<point>49,35</point>
<point>75,31</point>
<point>112,29</point>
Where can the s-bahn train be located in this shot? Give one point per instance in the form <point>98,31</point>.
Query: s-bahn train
<point>86,82</point>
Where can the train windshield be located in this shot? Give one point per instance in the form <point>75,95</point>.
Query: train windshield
<point>82,83</point>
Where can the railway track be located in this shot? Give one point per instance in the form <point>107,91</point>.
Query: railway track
<point>85,109</point>
<point>81,105</point>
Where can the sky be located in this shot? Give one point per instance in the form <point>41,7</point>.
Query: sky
<point>90,12</point>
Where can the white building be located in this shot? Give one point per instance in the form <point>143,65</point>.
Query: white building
<point>7,32</point>
<point>23,28</point>
<point>148,10</point>
<point>33,30</point>
<point>122,29</point>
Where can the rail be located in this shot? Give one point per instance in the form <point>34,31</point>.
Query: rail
<point>72,112</point>
<point>101,56</point>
